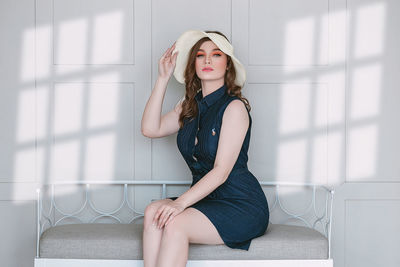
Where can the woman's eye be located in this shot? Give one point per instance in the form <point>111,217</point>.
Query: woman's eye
<point>199,55</point>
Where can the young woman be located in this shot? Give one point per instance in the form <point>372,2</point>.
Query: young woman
<point>225,203</point>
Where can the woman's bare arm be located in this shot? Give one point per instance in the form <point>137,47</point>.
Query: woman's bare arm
<point>154,125</point>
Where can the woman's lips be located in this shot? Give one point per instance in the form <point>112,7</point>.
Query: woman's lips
<point>207,69</point>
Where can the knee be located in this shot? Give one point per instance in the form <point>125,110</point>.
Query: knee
<point>149,212</point>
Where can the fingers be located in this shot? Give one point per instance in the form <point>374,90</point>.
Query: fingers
<point>163,214</point>
<point>174,57</point>
<point>169,219</point>
<point>160,215</point>
<point>157,214</point>
<point>166,215</point>
<point>168,52</point>
<point>168,57</point>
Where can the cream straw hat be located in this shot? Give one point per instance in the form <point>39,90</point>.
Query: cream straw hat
<point>186,41</point>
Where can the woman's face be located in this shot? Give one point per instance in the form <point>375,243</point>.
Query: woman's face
<point>210,62</point>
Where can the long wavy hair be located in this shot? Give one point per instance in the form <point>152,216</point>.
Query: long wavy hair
<point>193,82</point>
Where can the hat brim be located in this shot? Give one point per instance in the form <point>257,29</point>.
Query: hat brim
<point>188,39</point>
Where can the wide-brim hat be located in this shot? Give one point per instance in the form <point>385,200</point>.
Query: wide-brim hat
<point>189,38</point>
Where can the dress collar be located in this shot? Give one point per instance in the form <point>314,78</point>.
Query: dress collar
<point>212,97</point>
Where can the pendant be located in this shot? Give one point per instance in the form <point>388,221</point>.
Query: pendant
<point>213,131</point>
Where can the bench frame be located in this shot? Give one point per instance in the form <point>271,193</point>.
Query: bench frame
<point>42,219</point>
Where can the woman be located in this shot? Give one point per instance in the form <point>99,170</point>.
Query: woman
<point>225,203</point>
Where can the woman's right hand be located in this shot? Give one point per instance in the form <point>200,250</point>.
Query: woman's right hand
<point>167,62</point>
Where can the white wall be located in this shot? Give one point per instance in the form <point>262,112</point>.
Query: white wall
<point>366,231</point>
<point>322,82</point>
<point>17,84</point>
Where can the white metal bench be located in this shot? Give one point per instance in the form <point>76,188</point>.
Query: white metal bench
<point>91,243</point>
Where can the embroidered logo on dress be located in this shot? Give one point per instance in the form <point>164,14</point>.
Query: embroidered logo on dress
<point>213,131</point>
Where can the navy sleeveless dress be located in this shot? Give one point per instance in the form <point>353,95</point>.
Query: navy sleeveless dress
<point>238,208</point>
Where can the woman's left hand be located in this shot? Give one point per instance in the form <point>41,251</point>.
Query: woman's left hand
<point>166,213</point>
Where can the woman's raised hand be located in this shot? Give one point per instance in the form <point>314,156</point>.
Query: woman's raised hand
<point>166,65</point>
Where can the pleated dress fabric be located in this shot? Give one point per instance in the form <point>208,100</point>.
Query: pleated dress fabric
<point>238,208</point>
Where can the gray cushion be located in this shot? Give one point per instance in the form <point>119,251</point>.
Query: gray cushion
<point>124,241</point>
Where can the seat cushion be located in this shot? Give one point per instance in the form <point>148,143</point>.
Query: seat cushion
<point>124,241</point>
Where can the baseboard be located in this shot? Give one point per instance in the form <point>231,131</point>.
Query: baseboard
<point>43,262</point>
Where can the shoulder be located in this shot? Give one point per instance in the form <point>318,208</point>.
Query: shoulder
<point>236,110</point>
<point>236,105</point>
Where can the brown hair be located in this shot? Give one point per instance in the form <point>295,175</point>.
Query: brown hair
<point>193,82</point>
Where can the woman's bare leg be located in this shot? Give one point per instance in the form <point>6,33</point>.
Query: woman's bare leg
<point>190,226</point>
<point>151,234</point>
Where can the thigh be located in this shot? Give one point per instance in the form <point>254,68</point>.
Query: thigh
<point>197,227</point>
